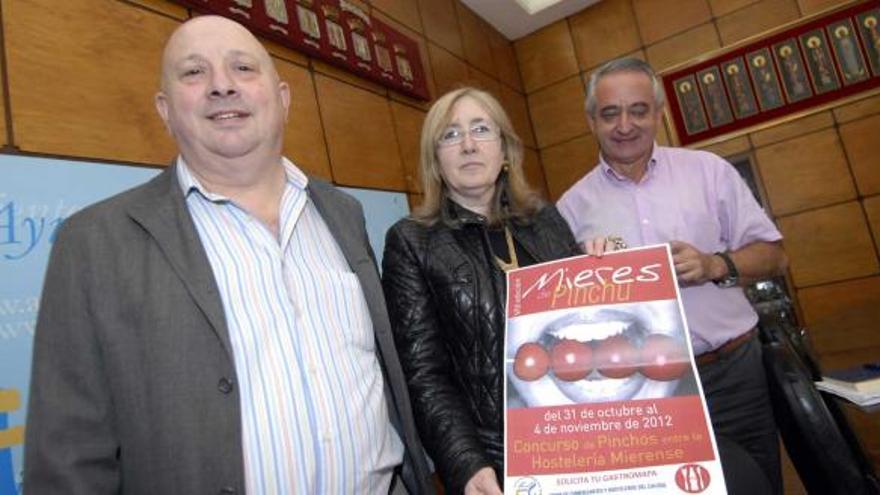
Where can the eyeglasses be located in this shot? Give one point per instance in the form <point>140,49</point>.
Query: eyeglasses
<point>478,132</point>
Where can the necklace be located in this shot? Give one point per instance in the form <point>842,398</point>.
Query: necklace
<point>511,250</point>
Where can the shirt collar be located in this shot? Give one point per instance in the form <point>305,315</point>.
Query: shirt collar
<point>612,174</point>
<point>189,183</point>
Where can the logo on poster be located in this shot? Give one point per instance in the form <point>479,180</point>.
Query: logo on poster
<point>527,486</point>
<point>692,478</point>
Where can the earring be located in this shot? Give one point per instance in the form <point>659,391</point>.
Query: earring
<point>505,166</point>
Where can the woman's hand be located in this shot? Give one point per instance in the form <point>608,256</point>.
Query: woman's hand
<point>483,482</point>
<point>598,246</point>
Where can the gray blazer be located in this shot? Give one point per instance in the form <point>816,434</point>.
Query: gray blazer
<point>133,387</point>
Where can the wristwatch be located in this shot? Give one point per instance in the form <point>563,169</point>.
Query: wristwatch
<point>732,276</point>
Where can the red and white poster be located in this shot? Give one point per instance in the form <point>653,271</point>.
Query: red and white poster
<point>601,389</point>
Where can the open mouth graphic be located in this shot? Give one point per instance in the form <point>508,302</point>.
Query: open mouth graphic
<point>598,355</point>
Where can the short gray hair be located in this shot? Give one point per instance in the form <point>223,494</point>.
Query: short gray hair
<point>626,64</point>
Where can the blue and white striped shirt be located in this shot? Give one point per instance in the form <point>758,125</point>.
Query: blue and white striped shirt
<point>314,416</point>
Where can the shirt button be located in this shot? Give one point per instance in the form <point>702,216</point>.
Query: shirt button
<point>224,386</point>
<point>645,221</point>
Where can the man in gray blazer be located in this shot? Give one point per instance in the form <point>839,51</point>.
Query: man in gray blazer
<point>221,328</point>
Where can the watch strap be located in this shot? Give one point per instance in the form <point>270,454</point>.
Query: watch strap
<point>732,276</point>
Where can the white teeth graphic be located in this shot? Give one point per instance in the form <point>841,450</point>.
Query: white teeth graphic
<point>585,332</point>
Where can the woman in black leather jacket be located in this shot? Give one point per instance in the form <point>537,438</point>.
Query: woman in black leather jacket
<point>444,280</point>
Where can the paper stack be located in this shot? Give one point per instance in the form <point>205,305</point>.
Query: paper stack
<point>859,384</point>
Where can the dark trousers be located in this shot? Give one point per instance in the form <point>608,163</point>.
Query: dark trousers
<point>736,392</point>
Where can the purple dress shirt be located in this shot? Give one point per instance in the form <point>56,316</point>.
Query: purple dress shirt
<point>686,195</point>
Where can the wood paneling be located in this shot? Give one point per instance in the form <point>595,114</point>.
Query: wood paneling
<point>94,97</point>
<point>348,77</point>
<point>805,172</point>
<point>810,7</point>
<point>683,47</point>
<point>857,109</point>
<point>534,172</point>
<point>656,23</point>
<point>285,53</point>
<point>828,245</point>
<point>792,129</point>
<point>730,147</point>
<point>450,71</point>
<point>546,56</point>
<point>755,19</point>
<point>3,130</point>
<point>504,56</point>
<point>408,124</point>
<point>722,7</point>
<point>165,7</point>
<point>304,136</point>
<point>566,163</point>
<point>481,80</point>
<point>403,11</point>
<point>860,141</point>
<point>558,112</point>
<point>441,24</point>
<point>360,136</point>
<point>475,40</point>
<point>872,210</point>
<point>821,305</point>
<point>517,109</point>
<point>604,31</point>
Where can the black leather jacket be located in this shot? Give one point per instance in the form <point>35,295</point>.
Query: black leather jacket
<point>445,297</point>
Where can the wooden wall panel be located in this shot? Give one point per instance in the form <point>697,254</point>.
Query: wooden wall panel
<point>481,80</point>
<point>517,109</point>
<point>449,71</point>
<point>604,31</point>
<point>408,124</point>
<point>558,112</point>
<point>872,211</point>
<point>360,136</point>
<point>821,305</point>
<point>810,7</point>
<point>475,40</point>
<point>403,11</point>
<point>860,138</point>
<point>534,172</point>
<point>755,19</point>
<point>504,56</point>
<point>94,97</point>
<point>165,7</point>
<point>546,56</point>
<point>566,163</point>
<point>798,127</point>
<point>304,136</point>
<point>683,47</point>
<point>3,129</point>
<point>730,147</point>
<point>659,20</point>
<point>805,172</point>
<point>828,245</point>
<point>857,109</point>
<point>722,7</point>
<point>441,24</point>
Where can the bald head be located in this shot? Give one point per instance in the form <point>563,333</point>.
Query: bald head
<point>221,96</point>
<point>198,32</point>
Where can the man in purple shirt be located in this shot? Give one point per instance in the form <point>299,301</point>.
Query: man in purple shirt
<point>721,240</point>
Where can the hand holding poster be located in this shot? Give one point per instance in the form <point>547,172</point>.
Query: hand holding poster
<point>601,389</point>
